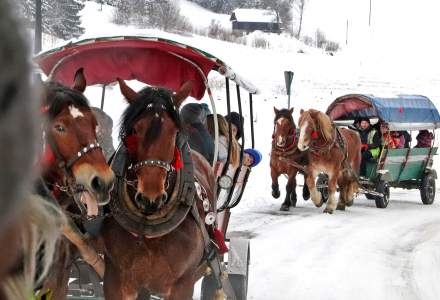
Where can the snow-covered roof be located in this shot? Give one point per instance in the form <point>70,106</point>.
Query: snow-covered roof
<point>254,15</point>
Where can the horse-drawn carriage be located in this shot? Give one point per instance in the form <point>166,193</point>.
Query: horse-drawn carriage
<point>408,168</point>
<point>183,69</point>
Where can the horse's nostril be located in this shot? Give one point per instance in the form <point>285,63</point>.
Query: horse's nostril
<point>98,184</point>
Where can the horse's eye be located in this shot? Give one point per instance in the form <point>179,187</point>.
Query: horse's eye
<point>59,128</point>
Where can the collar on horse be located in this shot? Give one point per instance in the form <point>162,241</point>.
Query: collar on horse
<point>289,148</point>
<point>182,195</point>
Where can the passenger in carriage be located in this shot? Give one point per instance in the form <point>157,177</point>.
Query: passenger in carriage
<point>236,122</point>
<point>391,140</point>
<point>424,139</point>
<point>224,141</point>
<point>371,143</point>
<point>193,116</point>
<point>406,137</point>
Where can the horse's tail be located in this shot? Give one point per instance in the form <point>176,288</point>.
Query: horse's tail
<point>41,230</point>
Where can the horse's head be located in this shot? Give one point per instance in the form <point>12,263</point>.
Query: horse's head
<point>313,125</point>
<point>72,155</point>
<point>149,129</point>
<point>284,127</point>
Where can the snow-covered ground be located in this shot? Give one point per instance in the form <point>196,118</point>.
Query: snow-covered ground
<point>362,253</point>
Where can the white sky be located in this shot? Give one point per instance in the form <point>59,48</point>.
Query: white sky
<point>397,24</point>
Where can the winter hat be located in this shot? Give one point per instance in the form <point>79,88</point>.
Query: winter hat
<point>193,113</point>
<point>256,156</point>
<point>237,120</point>
<point>206,109</point>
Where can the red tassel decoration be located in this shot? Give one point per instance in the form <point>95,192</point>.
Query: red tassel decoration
<point>44,109</point>
<point>219,239</point>
<point>131,143</point>
<point>314,134</point>
<point>48,157</point>
<point>177,163</point>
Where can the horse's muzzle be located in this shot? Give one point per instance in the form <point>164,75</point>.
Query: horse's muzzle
<point>148,206</point>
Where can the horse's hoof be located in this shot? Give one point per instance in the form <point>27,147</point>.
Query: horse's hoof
<point>284,207</point>
<point>293,202</point>
<point>276,194</point>
<point>306,195</point>
<point>349,203</point>
<point>340,207</point>
<point>328,210</point>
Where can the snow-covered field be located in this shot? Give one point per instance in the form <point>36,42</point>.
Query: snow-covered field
<point>362,253</point>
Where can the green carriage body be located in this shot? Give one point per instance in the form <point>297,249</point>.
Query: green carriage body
<point>409,168</point>
<point>403,168</point>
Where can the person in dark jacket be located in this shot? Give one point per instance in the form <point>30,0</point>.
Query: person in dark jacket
<point>371,143</point>
<point>424,139</point>
<point>193,116</point>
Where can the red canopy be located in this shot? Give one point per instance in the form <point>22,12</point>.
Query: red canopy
<point>149,60</point>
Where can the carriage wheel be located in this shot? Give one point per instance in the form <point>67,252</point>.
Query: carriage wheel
<point>384,188</point>
<point>427,189</point>
<point>322,184</point>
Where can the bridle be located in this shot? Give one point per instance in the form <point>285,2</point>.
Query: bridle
<point>69,185</point>
<point>289,147</point>
<point>169,167</point>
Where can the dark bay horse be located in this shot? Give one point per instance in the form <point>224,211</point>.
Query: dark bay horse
<point>168,262</point>
<point>333,151</point>
<point>285,158</point>
<point>74,169</point>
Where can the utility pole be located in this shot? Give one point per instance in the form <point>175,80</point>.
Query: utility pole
<point>346,34</point>
<point>38,27</point>
<point>369,16</point>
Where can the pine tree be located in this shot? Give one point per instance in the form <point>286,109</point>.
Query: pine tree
<point>60,17</point>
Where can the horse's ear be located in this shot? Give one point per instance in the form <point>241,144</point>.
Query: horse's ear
<point>291,110</point>
<point>276,111</point>
<point>301,111</point>
<point>129,94</point>
<point>183,93</point>
<point>79,81</point>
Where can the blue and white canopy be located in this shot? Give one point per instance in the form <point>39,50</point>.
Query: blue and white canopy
<point>404,112</point>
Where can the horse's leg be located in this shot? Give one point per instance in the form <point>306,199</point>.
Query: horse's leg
<point>350,193</point>
<point>306,192</point>
<point>293,192</point>
<point>331,203</point>
<point>343,190</point>
<point>275,187</point>
<point>183,289</point>
<point>115,288</point>
<point>289,190</point>
<point>315,195</point>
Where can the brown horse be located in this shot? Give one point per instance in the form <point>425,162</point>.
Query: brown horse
<point>167,260</point>
<point>333,151</point>
<point>285,158</point>
<point>73,167</point>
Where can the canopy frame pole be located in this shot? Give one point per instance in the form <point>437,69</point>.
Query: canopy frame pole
<point>251,112</point>
<point>103,96</point>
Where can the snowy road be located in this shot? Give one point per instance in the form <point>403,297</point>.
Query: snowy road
<point>362,253</point>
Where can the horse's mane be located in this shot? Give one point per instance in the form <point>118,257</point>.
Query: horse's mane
<point>284,113</point>
<point>59,96</point>
<point>138,109</point>
<point>324,123</point>
<point>18,114</point>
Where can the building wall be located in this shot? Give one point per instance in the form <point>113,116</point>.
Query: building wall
<point>252,26</point>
